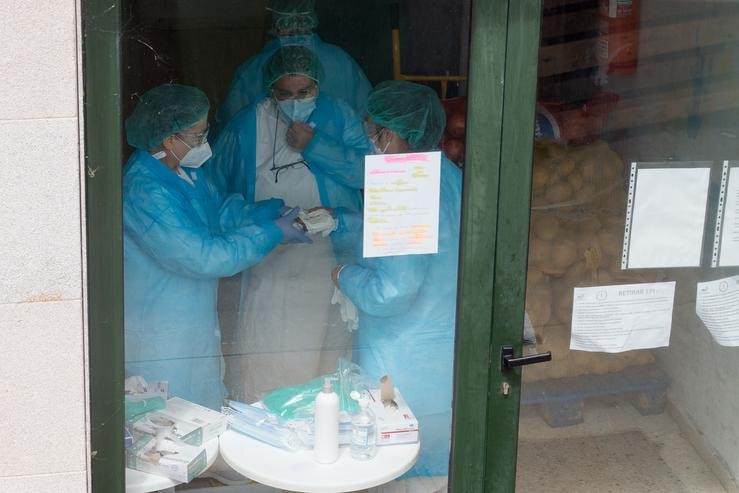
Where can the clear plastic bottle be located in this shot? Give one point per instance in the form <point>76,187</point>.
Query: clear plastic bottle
<point>364,430</point>
<point>326,425</point>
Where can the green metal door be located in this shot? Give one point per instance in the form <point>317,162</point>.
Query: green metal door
<point>503,67</point>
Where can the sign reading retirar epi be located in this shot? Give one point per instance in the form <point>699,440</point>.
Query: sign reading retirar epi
<point>401,204</point>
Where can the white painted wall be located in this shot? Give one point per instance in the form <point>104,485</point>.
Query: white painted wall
<point>43,396</point>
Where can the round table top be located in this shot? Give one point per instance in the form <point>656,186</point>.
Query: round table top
<point>297,471</point>
<point>141,482</point>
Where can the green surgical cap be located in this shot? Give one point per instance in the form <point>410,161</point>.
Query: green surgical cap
<point>292,60</point>
<point>164,111</point>
<point>412,111</point>
<point>293,15</point>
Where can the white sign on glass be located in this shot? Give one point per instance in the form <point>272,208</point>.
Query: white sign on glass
<point>717,305</point>
<point>726,238</point>
<point>401,204</point>
<point>665,215</point>
<point>613,319</point>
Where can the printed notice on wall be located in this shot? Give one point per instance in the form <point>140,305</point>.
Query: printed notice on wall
<point>726,240</point>
<point>666,215</point>
<point>613,319</point>
<point>717,305</point>
<point>401,204</point>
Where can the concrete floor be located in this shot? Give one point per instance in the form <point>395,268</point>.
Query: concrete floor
<point>615,449</point>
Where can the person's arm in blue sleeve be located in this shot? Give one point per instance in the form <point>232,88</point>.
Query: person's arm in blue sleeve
<point>362,88</point>
<point>384,287</point>
<point>348,221</point>
<point>190,248</point>
<point>235,211</point>
<point>341,159</point>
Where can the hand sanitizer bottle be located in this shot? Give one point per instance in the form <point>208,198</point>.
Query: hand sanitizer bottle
<point>364,430</point>
<point>326,425</point>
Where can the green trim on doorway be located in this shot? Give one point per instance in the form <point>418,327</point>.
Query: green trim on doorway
<point>479,224</point>
<point>511,249</point>
<point>102,132</point>
<point>502,94</point>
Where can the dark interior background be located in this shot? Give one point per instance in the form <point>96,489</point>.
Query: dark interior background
<point>202,43</point>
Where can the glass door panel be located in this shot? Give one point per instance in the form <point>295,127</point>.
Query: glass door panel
<point>246,274</point>
<point>631,186</point>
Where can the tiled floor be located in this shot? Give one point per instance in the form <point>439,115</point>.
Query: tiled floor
<point>615,449</point>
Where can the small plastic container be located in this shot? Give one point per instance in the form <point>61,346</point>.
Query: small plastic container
<point>364,430</point>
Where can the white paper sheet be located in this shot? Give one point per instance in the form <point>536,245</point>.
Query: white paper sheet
<point>729,227</point>
<point>668,215</point>
<point>620,318</point>
<point>717,305</point>
<point>401,204</point>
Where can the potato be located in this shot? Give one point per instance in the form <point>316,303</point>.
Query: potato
<point>576,274</point>
<point>589,170</point>
<point>610,243</point>
<point>534,277</point>
<point>558,192</point>
<point>564,254</point>
<point>590,225</point>
<point>540,253</point>
<point>545,227</point>
<point>539,177</point>
<point>566,166</point>
<point>575,180</point>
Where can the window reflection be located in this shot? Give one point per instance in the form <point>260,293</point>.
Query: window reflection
<point>628,90</point>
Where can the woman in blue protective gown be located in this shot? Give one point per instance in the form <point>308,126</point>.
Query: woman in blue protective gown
<point>293,22</point>
<point>180,236</point>
<point>300,145</point>
<point>407,303</point>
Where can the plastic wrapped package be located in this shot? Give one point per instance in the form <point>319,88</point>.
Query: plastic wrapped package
<point>296,402</point>
<point>261,424</point>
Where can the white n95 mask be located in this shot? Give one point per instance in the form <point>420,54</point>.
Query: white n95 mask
<point>196,156</point>
<point>298,110</point>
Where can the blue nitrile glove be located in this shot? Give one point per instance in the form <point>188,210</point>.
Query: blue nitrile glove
<point>291,232</point>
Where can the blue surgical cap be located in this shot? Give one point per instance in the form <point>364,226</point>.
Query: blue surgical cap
<point>294,16</point>
<point>412,111</point>
<point>292,60</point>
<point>164,111</point>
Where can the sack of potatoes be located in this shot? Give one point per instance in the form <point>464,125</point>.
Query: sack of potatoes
<point>575,239</point>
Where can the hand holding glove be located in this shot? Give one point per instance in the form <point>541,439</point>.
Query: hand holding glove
<point>292,232</point>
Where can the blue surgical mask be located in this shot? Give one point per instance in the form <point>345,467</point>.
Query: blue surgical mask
<point>297,110</point>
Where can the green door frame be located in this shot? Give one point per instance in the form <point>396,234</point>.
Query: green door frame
<point>495,224</point>
<point>102,116</point>
<point>503,65</point>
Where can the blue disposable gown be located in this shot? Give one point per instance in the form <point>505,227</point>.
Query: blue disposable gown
<point>407,307</point>
<point>335,155</point>
<point>178,240</point>
<point>344,80</point>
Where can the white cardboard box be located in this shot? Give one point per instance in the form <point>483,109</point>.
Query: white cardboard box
<point>192,423</point>
<point>394,426</point>
<point>176,461</point>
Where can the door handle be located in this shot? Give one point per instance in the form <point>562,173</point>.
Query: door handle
<point>508,361</point>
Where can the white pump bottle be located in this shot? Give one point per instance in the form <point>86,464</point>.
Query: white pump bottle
<point>326,425</point>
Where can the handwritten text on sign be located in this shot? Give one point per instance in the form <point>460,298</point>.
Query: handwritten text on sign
<point>401,204</point>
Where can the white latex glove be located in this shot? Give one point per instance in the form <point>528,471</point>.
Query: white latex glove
<point>135,385</point>
<point>318,221</point>
<point>348,311</point>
